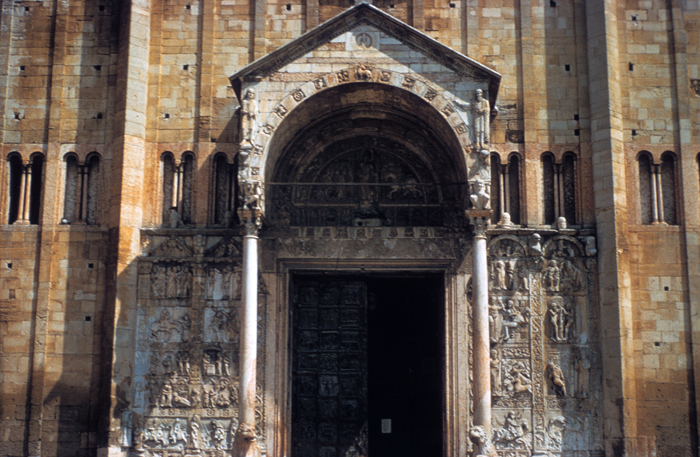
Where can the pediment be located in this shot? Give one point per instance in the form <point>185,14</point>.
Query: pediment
<point>364,33</point>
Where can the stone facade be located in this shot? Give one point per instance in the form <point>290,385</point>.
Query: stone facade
<point>200,200</point>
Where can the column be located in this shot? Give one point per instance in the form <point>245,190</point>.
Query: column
<point>480,310</point>
<point>26,189</point>
<point>82,215</point>
<point>654,207</point>
<point>176,185</point>
<point>249,318</point>
<point>659,195</point>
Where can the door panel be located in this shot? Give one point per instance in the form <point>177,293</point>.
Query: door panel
<point>329,367</point>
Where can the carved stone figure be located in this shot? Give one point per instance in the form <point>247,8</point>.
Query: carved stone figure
<point>561,318</point>
<point>174,218</point>
<point>551,277</point>
<point>521,278</point>
<point>518,380</point>
<point>127,424</point>
<point>555,432</point>
<point>183,363</point>
<point>482,112</point>
<point>195,432</point>
<point>534,245</point>
<point>164,330</point>
<point>495,319</point>
<point>571,277</point>
<point>218,435</point>
<point>556,376</point>
<point>480,198</point>
<point>252,195</point>
<point>246,444</point>
<point>512,318</point>
<point>483,447</point>
<point>498,275</point>
<point>583,370</point>
<point>159,281</point>
<point>363,73</point>
<point>166,396</point>
<point>249,111</point>
<point>511,435</point>
<point>496,383</point>
<point>590,246</point>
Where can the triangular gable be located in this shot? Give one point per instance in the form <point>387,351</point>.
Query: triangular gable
<point>367,14</point>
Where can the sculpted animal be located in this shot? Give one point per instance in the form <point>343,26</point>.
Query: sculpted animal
<point>483,447</point>
<point>246,444</point>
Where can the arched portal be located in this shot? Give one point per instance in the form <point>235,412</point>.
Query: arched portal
<point>365,154</point>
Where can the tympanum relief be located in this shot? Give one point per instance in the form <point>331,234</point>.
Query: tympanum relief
<point>186,374</point>
<point>543,324</point>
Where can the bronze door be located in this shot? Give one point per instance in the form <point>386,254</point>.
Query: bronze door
<point>329,368</point>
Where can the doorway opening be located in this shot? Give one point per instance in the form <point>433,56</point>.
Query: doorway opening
<point>367,365</point>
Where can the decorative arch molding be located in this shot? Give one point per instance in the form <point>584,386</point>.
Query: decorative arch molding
<point>455,113</point>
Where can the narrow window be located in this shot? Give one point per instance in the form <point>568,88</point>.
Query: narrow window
<point>91,189</point>
<point>647,202</point>
<point>223,191</point>
<point>569,188</point>
<point>168,172</point>
<point>35,184</point>
<point>668,188</point>
<point>513,203</point>
<point>187,187</point>
<point>15,180</point>
<point>71,199</point>
<point>548,188</point>
<point>496,206</point>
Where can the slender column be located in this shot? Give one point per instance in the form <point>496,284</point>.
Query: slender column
<point>249,319</point>
<point>26,190</point>
<point>659,194</point>
<point>502,193</point>
<point>654,200</point>
<point>505,190</point>
<point>482,372</point>
<point>557,191</point>
<point>176,185</point>
<point>82,216</point>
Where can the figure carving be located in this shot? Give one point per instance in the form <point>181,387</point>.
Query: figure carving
<point>556,376</point>
<point>534,245</point>
<point>164,330</point>
<point>246,444</point>
<point>249,110</point>
<point>511,435</point>
<point>555,432</point>
<point>480,198</point>
<point>571,277</point>
<point>583,369</point>
<point>498,276</point>
<point>482,112</point>
<point>518,379</point>
<point>363,73</point>
<point>512,318</point>
<point>159,281</point>
<point>551,277</point>
<point>590,246</point>
<point>252,195</point>
<point>127,424</point>
<point>496,384</point>
<point>195,436</point>
<point>218,435</point>
<point>483,447</point>
<point>561,317</point>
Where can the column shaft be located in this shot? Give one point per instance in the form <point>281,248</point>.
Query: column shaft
<point>482,373</point>
<point>249,327</point>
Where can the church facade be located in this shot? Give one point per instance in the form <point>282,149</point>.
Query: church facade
<point>340,229</point>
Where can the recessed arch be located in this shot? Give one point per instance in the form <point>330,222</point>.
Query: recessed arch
<point>355,121</point>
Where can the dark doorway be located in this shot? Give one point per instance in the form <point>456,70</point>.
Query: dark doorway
<point>367,365</point>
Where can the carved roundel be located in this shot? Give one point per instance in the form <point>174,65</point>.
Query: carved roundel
<point>363,40</point>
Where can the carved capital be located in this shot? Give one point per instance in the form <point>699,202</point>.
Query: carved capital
<point>251,220</point>
<point>478,219</point>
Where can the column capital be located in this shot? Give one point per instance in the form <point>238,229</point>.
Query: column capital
<point>478,219</point>
<point>251,220</point>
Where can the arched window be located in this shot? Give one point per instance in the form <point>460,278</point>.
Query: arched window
<point>26,182</point>
<point>505,190</point>
<point>559,188</point>
<point>548,189</point>
<point>82,189</point>
<point>224,204</point>
<point>648,212</point>
<point>178,176</point>
<point>568,187</point>
<point>657,189</point>
<point>513,189</point>
<point>16,172</point>
<point>668,188</point>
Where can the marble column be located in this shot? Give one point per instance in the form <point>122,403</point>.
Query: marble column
<point>25,191</point>
<point>480,310</point>
<point>249,318</point>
